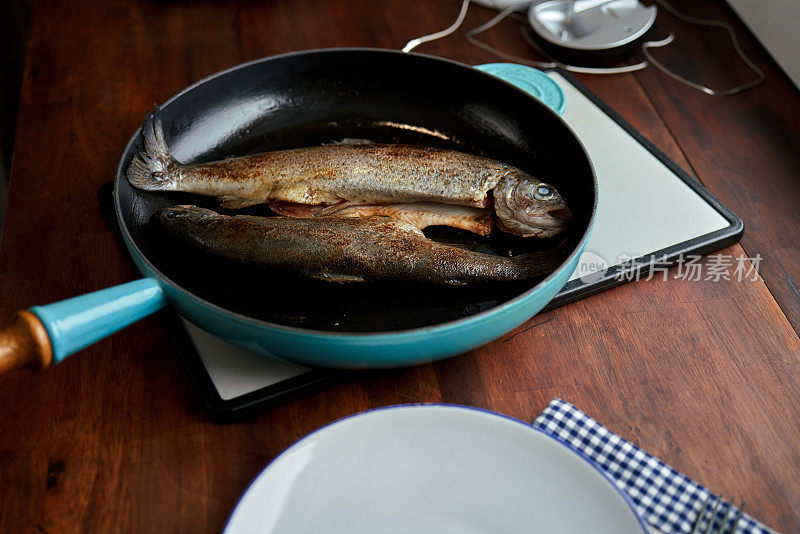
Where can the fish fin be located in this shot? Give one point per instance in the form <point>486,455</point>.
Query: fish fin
<point>333,208</point>
<point>291,209</point>
<point>233,202</point>
<point>152,169</point>
<point>338,277</point>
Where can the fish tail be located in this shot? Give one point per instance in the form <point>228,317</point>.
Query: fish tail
<point>150,169</point>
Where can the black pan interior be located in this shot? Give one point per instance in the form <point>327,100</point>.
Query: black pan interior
<point>311,98</point>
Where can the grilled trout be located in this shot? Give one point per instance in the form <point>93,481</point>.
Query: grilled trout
<point>337,179</point>
<point>344,249</point>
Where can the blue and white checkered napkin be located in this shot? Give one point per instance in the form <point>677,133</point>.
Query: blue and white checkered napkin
<point>668,500</point>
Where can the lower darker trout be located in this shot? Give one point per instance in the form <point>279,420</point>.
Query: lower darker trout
<point>344,249</point>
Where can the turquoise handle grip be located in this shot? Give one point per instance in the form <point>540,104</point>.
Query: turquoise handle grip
<point>532,81</point>
<point>76,323</point>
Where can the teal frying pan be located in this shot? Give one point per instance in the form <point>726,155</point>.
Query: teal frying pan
<point>305,99</point>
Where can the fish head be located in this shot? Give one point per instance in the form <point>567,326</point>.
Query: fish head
<point>528,207</point>
<point>188,214</point>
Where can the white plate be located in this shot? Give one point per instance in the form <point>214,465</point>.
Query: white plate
<point>431,469</point>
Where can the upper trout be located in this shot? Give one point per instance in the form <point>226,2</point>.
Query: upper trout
<point>420,185</point>
<point>344,249</point>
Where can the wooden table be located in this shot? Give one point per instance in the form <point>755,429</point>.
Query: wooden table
<point>705,375</point>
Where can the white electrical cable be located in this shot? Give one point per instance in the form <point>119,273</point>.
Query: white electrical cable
<point>413,43</point>
<point>600,70</point>
<point>549,64</point>
<point>593,70</point>
<point>736,47</point>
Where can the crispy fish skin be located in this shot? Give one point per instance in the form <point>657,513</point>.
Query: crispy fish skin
<point>344,249</point>
<point>363,174</point>
<point>346,175</point>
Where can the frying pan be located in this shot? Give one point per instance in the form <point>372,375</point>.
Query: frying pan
<point>305,99</point>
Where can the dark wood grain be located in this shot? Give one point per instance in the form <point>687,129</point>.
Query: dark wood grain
<point>744,146</point>
<point>701,374</point>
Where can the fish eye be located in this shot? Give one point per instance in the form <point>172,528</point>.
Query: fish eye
<point>543,192</point>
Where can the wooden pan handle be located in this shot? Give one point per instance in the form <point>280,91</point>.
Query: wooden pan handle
<point>45,335</point>
<point>24,342</point>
